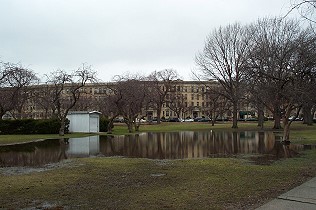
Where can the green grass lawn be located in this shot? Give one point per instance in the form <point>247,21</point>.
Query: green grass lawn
<point>10,139</point>
<point>121,183</point>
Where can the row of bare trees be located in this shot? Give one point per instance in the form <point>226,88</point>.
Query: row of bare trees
<point>18,84</point>
<point>129,95</point>
<point>270,62</point>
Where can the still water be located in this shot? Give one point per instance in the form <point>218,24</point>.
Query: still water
<point>175,145</point>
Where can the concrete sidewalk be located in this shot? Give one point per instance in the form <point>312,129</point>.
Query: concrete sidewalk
<point>302,197</point>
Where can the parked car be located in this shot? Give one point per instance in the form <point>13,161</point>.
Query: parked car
<point>292,118</point>
<point>197,119</point>
<point>118,120</point>
<point>175,119</point>
<point>188,120</point>
<point>202,119</point>
<point>205,119</point>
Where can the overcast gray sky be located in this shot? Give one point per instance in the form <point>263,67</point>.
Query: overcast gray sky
<point>118,36</point>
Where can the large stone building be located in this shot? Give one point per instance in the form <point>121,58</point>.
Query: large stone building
<point>186,99</point>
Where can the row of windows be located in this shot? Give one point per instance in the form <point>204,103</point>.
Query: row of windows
<point>181,88</point>
<point>193,104</point>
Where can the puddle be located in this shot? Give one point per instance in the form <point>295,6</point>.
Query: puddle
<point>260,147</point>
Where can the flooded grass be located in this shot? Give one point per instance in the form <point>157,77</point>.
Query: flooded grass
<point>121,183</point>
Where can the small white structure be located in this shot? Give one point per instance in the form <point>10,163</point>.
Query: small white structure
<point>81,121</point>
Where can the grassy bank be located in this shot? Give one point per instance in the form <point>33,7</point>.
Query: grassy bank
<point>10,139</point>
<point>119,183</point>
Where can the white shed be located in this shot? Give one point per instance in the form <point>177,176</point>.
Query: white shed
<point>81,121</point>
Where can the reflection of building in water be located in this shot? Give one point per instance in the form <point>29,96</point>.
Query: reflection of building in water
<point>187,144</point>
<point>83,147</point>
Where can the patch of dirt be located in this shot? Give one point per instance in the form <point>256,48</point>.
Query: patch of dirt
<point>9,171</point>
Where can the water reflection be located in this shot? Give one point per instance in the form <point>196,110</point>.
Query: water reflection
<point>33,153</point>
<point>189,144</point>
<point>176,145</point>
<point>83,147</point>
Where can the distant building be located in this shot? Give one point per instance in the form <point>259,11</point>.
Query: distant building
<point>194,100</point>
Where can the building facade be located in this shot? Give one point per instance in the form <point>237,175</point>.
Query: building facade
<point>184,99</point>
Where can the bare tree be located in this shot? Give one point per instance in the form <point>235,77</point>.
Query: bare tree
<point>306,8</point>
<point>223,59</point>
<point>216,104</point>
<point>14,81</point>
<point>281,63</point>
<point>161,84</point>
<point>177,102</point>
<point>111,103</point>
<point>42,97</point>
<point>67,90</point>
<point>132,92</point>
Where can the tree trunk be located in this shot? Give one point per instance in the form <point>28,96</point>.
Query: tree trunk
<point>213,121</point>
<point>137,125</point>
<point>277,120</point>
<point>286,130</point>
<point>213,118</point>
<point>62,127</point>
<point>130,126</point>
<point>235,115</point>
<point>158,115</point>
<point>110,126</point>
<point>260,116</point>
<point>307,114</point>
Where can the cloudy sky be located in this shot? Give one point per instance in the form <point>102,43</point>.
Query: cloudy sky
<point>118,36</point>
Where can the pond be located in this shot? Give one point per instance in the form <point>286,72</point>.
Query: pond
<point>173,145</point>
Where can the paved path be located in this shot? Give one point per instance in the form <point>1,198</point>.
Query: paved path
<point>302,197</point>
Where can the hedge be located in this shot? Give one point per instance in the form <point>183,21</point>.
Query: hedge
<point>104,121</point>
<point>31,126</point>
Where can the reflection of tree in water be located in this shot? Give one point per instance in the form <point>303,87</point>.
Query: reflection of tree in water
<point>187,144</point>
<point>32,153</point>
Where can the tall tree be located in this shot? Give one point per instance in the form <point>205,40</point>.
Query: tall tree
<point>223,59</point>
<point>67,89</point>
<point>161,84</point>
<point>14,81</point>
<point>132,92</point>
